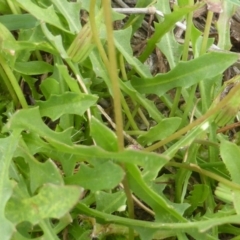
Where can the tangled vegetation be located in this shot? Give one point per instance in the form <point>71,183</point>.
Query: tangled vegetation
<point>107,135</point>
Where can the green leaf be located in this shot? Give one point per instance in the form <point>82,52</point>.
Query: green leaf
<point>164,27</point>
<point>70,12</point>
<point>50,86</point>
<point>33,67</point>
<point>168,45</point>
<point>224,29</point>
<point>163,210</point>
<point>162,130</point>
<point>48,203</point>
<point>103,136</point>
<point>47,15</point>
<point>102,176</point>
<point>122,42</point>
<point>18,21</point>
<point>139,98</point>
<point>186,74</point>
<point>110,202</point>
<point>198,227</point>
<point>7,149</point>
<point>41,173</point>
<point>30,120</point>
<point>197,196</point>
<point>56,41</point>
<point>66,103</point>
<point>236,2</point>
<point>230,153</point>
<point>236,199</point>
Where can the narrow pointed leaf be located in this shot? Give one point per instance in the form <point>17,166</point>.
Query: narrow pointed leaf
<point>185,74</point>
<point>71,13</point>
<point>103,136</point>
<point>230,153</point>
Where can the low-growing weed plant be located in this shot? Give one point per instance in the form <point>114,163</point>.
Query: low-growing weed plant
<point>105,138</point>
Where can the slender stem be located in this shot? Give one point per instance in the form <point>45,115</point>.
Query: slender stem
<point>176,101</point>
<point>12,79</point>
<point>188,104</point>
<point>196,168</point>
<point>128,113</point>
<point>200,120</point>
<point>112,71</point>
<point>122,67</point>
<point>134,112</point>
<point>96,38</point>
<point>113,74</point>
<point>184,57</point>
<point>48,231</point>
<point>8,86</point>
<point>206,32</point>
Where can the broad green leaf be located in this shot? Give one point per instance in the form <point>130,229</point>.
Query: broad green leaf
<point>28,45</point>
<point>50,86</point>
<point>48,203</point>
<point>66,103</point>
<point>110,202</point>
<point>18,21</point>
<point>70,12</point>
<point>162,130</point>
<point>99,177</point>
<point>8,53</point>
<point>230,153</point>
<point>47,15</point>
<point>103,136</point>
<point>31,121</point>
<point>122,42</point>
<point>33,67</point>
<point>7,148</point>
<point>185,74</point>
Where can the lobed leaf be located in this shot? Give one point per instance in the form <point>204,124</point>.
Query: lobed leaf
<point>186,74</point>
<point>48,203</point>
<point>66,103</point>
